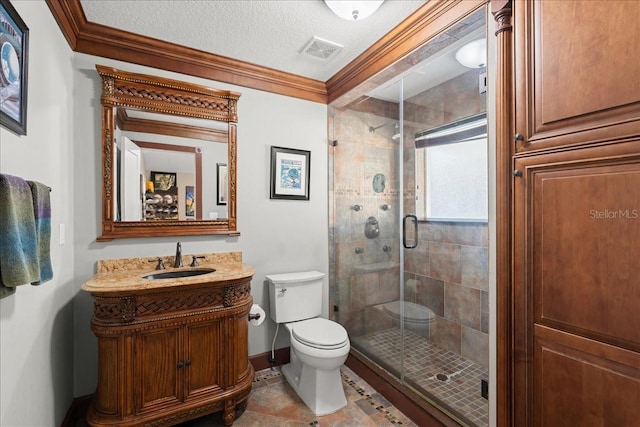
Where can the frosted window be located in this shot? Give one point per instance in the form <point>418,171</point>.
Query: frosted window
<point>456,181</point>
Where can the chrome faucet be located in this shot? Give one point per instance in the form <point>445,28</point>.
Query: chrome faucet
<point>178,261</point>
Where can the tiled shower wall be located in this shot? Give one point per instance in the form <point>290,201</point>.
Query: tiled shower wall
<point>448,271</point>
<point>356,158</point>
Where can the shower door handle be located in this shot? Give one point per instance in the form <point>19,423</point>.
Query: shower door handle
<point>415,231</point>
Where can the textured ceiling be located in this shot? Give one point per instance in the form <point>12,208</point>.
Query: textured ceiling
<point>269,33</point>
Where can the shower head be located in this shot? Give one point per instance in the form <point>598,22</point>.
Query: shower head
<point>373,129</point>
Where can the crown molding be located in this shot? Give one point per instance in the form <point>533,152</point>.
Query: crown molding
<point>107,42</point>
<point>99,40</point>
<point>426,22</point>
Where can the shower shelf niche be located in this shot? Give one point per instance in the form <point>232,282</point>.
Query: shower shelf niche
<point>376,267</point>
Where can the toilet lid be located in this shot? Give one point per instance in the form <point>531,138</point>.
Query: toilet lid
<point>320,333</point>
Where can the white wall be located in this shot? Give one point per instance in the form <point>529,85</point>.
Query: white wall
<point>276,235</point>
<point>36,323</point>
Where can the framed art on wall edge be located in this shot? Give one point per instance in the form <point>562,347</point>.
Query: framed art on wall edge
<point>223,183</point>
<point>290,173</point>
<point>14,54</point>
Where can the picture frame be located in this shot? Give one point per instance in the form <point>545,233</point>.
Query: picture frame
<point>164,182</point>
<point>290,173</point>
<point>189,202</point>
<point>14,59</point>
<point>223,183</point>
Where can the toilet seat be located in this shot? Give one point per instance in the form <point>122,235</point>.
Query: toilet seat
<point>319,333</point>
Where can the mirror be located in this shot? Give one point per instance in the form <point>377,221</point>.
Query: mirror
<point>168,157</point>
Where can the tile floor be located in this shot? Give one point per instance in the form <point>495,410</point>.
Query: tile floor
<point>273,403</point>
<point>448,379</point>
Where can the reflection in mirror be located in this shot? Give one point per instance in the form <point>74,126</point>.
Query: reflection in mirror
<point>162,140</point>
<point>142,156</point>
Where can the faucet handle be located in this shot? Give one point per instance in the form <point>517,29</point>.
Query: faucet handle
<point>160,265</point>
<point>194,260</point>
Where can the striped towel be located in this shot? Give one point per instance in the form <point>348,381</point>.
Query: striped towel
<point>18,244</point>
<point>42,213</point>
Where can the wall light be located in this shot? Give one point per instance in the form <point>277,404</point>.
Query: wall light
<point>353,10</point>
<point>473,54</point>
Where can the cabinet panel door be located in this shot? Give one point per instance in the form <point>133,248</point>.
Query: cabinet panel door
<point>577,286</point>
<point>205,350</point>
<point>580,382</point>
<point>577,76</point>
<point>240,352</point>
<point>159,368</point>
<point>109,374</point>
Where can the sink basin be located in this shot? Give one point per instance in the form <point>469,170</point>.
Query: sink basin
<point>179,273</point>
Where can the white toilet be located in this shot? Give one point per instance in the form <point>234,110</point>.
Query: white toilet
<point>319,347</point>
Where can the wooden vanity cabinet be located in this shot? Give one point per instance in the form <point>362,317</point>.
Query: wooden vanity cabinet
<point>171,354</point>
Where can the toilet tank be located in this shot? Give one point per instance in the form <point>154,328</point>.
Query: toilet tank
<point>295,296</point>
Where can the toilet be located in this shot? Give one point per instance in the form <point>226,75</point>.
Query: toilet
<point>318,348</point>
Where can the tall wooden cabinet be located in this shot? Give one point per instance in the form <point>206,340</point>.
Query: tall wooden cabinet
<point>574,288</point>
<point>171,354</point>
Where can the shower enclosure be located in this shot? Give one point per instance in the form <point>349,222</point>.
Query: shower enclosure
<point>409,221</point>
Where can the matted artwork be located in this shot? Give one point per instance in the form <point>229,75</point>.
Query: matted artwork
<point>14,53</point>
<point>223,183</point>
<point>290,174</point>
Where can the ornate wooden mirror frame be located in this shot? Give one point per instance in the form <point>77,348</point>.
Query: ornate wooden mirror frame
<point>171,97</point>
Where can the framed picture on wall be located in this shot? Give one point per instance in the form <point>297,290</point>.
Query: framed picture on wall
<point>164,182</point>
<point>14,53</point>
<point>189,202</point>
<point>223,183</point>
<point>290,173</point>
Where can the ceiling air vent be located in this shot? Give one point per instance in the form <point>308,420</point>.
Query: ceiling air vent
<point>322,49</point>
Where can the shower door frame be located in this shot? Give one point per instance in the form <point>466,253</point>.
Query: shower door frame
<point>433,23</point>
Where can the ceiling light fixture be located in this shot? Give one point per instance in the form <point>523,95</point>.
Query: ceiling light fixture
<point>473,54</point>
<point>353,10</point>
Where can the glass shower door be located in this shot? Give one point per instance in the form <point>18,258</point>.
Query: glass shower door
<point>409,275</point>
<point>366,203</point>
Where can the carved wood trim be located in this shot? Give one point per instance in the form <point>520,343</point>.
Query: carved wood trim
<point>501,10</point>
<point>169,305</point>
<point>167,96</point>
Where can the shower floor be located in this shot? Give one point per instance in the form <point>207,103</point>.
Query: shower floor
<point>448,379</point>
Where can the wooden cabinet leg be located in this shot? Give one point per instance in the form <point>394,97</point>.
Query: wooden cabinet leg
<point>229,412</point>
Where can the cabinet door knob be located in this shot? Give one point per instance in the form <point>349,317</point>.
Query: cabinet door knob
<point>187,362</point>
<point>519,137</point>
<point>517,173</point>
<point>180,364</point>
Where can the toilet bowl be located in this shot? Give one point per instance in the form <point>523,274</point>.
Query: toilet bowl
<point>318,346</point>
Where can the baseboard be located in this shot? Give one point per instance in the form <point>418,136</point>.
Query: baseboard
<point>262,361</point>
<point>407,401</point>
<point>77,411</point>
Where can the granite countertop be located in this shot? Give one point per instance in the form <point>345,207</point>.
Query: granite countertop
<point>126,274</point>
